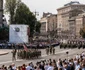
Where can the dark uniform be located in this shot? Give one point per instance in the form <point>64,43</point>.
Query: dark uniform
<point>53,50</point>
<point>14,55</point>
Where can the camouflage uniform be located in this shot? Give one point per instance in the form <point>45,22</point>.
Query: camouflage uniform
<point>53,50</point>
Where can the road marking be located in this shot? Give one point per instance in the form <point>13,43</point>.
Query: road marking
<point>9,61</point>
<point>58,52</point>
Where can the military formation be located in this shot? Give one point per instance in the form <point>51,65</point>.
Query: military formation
<point>20,53</point>
<point>73,44</point>
<point>30,54</point>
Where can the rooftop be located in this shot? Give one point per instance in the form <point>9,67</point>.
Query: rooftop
<point>72,3</point>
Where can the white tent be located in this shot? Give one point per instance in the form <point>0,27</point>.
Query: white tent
<point>18,34</point>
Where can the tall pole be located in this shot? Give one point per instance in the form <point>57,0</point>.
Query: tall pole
<point>36,14</point>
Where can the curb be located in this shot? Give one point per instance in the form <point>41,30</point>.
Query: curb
<point>4,53</point>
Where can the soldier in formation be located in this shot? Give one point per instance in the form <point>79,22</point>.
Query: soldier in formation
<point>50,50</point>
<point>14,55</point>
<point>53,50</point>
<point>47,51</point>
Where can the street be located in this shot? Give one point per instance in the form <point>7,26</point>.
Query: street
<point>59,53</point>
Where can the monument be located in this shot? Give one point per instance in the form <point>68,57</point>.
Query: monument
<point>18,34</point>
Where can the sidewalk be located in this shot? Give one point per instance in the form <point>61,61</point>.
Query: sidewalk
<point>3,52</point>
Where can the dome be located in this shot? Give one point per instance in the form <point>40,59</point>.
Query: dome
<point>72,3</point>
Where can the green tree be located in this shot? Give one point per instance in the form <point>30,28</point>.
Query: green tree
<point>4,33</point>
<point>10,7</point>
<point>25,16</point>
<point>38,26</point>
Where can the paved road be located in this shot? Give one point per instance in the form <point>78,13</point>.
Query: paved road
<point>60,53</point>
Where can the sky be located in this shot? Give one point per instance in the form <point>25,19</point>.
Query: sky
<point>47,5</point>
<point>51,6</point>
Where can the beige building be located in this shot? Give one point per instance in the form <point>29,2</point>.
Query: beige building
<point>80,22</point>
<point>1,12</point>
<point>66,16</point>
<point>48,22</point>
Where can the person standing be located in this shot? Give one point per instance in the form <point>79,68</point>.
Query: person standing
<point>50,67</point>
<point>50,50</point>
<point>47,51</point>
<point>53,50</point>
<point>29,67</point>
<point>13,66</point>
<point>14,55</point>
<point>23,67</point>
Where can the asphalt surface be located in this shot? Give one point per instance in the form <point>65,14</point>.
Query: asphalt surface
<point>60,53</point>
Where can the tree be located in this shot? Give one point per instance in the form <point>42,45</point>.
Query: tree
<point>25,16</point>
<point>10,7</point>
<point>38,25</point>
<point>4,33</point>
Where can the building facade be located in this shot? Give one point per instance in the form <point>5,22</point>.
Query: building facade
<point>80,23</point>
<point>48,23</point>
<point>66,18</point>
<point>1,12</point>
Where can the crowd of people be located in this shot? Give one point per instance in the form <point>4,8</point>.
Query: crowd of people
<point>77,63</point>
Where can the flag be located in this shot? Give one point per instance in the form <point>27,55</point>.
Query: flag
<point>25,48</point>
<point>28,31</point>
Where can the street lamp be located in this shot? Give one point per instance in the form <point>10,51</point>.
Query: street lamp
<point>36,14</point>
<point>67,54</point>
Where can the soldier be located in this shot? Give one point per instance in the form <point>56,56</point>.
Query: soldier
<point>47,51</point>
<point>53,50</point>
<point>14,55</point>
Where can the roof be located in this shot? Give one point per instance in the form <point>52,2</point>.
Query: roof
<point>71,4</point>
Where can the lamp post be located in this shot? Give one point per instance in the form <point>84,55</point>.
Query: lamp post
<point>67,54</point>
<point>36,14</point>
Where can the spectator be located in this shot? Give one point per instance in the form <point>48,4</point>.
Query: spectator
<point>10,68</point>
<point>50,67</point>
<point>77,66</point>
<point>46,66</point>
<point>23,67</point>
<point>13,66</point>
<point>29,67</point>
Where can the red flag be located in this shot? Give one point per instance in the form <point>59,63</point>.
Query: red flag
<point>28,31</point>
<point>25,48</point>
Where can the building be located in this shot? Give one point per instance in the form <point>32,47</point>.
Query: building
<point>48,23</point>
<point>1,12</point>
<point>80,22</point>
<point>66,19</point>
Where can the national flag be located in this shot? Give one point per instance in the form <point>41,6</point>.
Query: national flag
<point>28,31</point>
<point>25,48</point>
